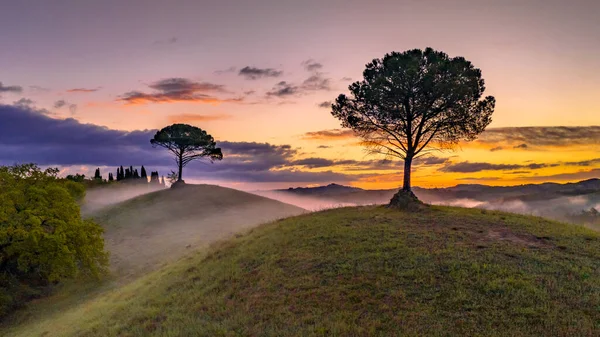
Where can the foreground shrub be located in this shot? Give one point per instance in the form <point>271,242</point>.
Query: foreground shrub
<point>43,238</point>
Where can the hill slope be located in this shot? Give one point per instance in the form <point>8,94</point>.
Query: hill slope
<point>366,271</point>
<point>142,232</point>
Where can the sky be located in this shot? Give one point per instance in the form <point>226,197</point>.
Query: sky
<point>86,84</point>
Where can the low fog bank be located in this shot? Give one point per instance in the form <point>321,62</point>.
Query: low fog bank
<point>312,204</point>
<point>143,234</point>
<point>563,208</point>
<point>99,197</point>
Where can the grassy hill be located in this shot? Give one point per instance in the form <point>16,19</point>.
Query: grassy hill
<point>364,271</point>
<point>145,231</point>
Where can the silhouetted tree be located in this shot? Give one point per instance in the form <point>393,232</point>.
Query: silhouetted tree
<point>128,174</point>
<point>411,102</point>
<point>136,175</point>
<point>143,173</point>
<point>97,174</point>
<point>110,176</point>
<point>187,143</point>
<point>120,173</point>
<point>77,177</point>
<point>154,178</point>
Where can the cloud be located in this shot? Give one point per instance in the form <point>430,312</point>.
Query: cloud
<point>24,102</point>
<point>588,162</point>
<point>191,118</point>
<point>348,164</point>
<point>316,82</point>
<point>172,90</point>
<point>479,178</point>
<point>346,79</point>
<point>497,148</point>
<point>325,105</point>
<point>311,65</point>
<point>333,134</point>
<point>520,146</point>
<point>581,175</point>
<point>82,90</point>
<point>26,135</point>
<point>29,136</point>
<point>10,88</point>
<point>38,89</point>
<point>226,71</point>
<point>430,160</point>
<point>323,147</point>
<point>314,162</point>
<point>542,136</point>
<point>59,104</point>
<point>283,89</point>
<point>253,73</point>
<point>169,41</point>
<point>469,167</point>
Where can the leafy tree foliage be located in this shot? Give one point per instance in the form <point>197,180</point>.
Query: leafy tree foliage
<point>409,103</point>
<point>43,238</point>
<point>187,143</point>
<point>76,177</point>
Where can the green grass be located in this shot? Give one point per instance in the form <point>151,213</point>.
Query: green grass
<point>366,271</point>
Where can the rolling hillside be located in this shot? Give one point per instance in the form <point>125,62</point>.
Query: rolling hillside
<point>145,231</point>
<point>364,271</point>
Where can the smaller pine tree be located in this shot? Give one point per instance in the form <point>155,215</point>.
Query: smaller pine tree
<point>143,173</point>
<point>110,177</point>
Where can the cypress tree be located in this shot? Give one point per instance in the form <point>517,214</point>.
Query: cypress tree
<point>143,173</point>
<point>110,176</point>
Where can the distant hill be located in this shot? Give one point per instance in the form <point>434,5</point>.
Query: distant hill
<point>331,189</point>
<point>362,271</point>
<point>147,230</point>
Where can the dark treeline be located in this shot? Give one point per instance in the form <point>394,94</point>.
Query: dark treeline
<point>129,174</point>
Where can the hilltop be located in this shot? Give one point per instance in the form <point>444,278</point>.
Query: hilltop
<point>369,270</point>
<point>142,232</point>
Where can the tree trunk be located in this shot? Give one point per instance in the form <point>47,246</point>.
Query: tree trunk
<point>180,176</point>
<point>407,167</point>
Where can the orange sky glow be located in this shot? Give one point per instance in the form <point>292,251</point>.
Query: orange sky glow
<point>266,80</point>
